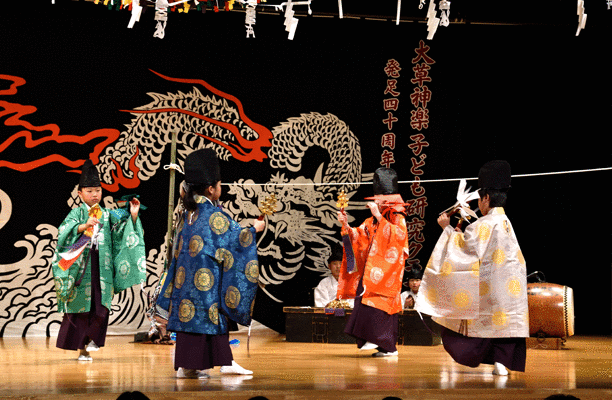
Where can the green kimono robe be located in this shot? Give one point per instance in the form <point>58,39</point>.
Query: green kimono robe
<point>121,254</point>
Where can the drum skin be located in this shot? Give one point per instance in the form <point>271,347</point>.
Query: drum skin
<point>551,310</point>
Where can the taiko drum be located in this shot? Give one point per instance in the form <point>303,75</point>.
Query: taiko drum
<point>551,310</point>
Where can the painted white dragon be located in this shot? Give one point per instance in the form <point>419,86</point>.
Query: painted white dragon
<point>297,236</point>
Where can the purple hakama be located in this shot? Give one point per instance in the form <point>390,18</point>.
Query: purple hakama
<point>199,351</point>
<point>369,324</point>
<point>78,329</point>
<point>473,351</point>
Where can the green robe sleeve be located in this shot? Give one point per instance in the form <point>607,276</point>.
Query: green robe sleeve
<point>67,235</point>
<point>129,257</point>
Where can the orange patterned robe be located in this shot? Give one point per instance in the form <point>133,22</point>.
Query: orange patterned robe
<point>380,249</point>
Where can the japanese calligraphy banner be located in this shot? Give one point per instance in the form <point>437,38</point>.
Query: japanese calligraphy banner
<point>303,119</point>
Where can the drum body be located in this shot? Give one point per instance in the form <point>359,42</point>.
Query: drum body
<point>551,310</point>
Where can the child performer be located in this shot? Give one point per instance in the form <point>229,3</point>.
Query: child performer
<point>475,283</point>
<point>212,277</point>
<point>380,246</point>
<point>99,253</point>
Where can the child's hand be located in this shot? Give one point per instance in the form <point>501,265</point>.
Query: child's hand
<point>444,220</point>
<point>134,207</point>
<point>259,225</point>
<point>342,218</point>
<point>374,209</point>
<point>91,222</point>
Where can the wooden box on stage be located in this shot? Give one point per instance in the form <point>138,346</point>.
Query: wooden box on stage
<point>312,325</point>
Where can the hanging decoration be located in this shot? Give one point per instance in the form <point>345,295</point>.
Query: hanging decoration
<point>161,16</point>
<point>162,7</point>
<point>444,12</point>
<point>136,12</point>
<point>399,8</point>
<point>432,20</point>
<point>249,18</point>
<point>581,17</point>
<point>290,22</point>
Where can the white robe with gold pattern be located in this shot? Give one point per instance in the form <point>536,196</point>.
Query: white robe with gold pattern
<point>475,282</point>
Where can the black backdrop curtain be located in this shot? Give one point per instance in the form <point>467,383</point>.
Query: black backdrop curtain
<point>75,82</point>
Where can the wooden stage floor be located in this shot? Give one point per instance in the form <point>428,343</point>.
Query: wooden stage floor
<point>34,368</point>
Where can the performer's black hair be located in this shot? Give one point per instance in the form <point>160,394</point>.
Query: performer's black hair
<point>497,198</point>
<point>194,189</point>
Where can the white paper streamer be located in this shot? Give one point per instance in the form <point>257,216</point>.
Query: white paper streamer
<point>432,20</point>
<point>290,22</point>
<point>399,8</point>
<point>136,12</point>
<point>581,17</point>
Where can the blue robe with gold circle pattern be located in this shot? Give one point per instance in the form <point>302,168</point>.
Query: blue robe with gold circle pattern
<point>214,273</point>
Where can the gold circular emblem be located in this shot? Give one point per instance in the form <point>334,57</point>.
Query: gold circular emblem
<point>232,297</point>
<point>63,285</point>
<point>225,258</point>
<point>484,232</point>
<point>213,313</point>
<point>499,257</point>
<point>446,268</point>
<point>459,240</point>
<point>514,287</point>
<point>73,295</point>
<point>195,245</point>
<point>186,310</point>
<point>179,278</point>
<point>499,319</point>
<point>246,237</point>
<point>251,271</point>
<point>204,279</point>
<point>462,299</point>
<point>219,223</point>
<point>168,292</point>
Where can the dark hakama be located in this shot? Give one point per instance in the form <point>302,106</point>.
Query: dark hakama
<point>473,351</point>
<point>369,324</point>
<point>199,351</point>
<point>78,329</point>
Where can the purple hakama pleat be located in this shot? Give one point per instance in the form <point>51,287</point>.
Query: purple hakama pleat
<point>198,351</point>
<point>473,351</point>
<point>78,329</point>
<point>369,324</point>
